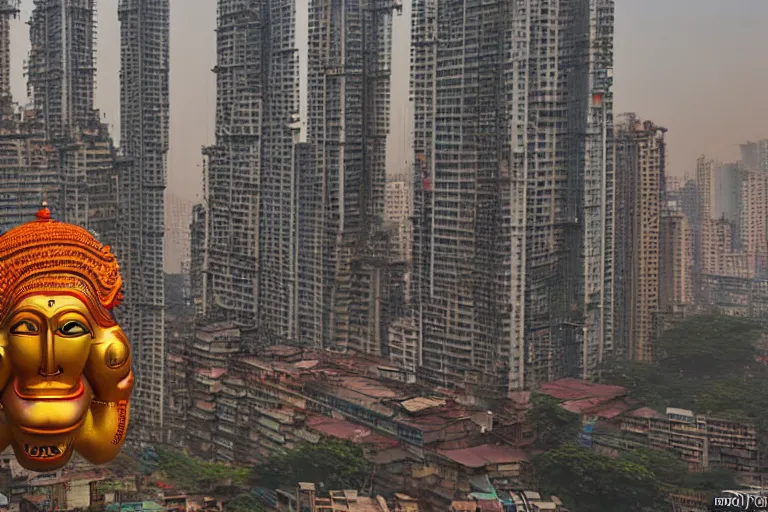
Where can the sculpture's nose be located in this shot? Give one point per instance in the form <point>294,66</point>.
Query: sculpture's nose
<point>49,368</point>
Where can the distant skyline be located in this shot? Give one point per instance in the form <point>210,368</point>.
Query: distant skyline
<point>692,66</point>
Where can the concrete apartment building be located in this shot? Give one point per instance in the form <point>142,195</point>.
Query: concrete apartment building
<point>755,155</point>
<point>513,190</point>
<point>197,229</point>
<point>25,173</point>
<point>349,275</point>
<point>731,244</point>
<point>144,114</point>
<point>250,266</point>
<point>621,423</point>
<point>61,70</point>
<point>9,9</point>
<point>397,210</point>
<point>753,222</point>
<point>640,159</point>
<point>675,261</point>
<point>62,59</point>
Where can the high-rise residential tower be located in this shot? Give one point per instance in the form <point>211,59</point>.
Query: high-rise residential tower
<point>141,181</point>
<point>640,159</point>
<point>61,70</point>
<point>513,190</point>
<point>251,190</point>
<point>8,9</point>
<point>348,266</point>
<point>26,176</point>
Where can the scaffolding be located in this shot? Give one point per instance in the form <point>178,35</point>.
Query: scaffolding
<point>60,73</point>
<point>251,190</point>
<point>8,9</point>
<point>349,61</point>
<point>513,187</point>
<point>144,114</point>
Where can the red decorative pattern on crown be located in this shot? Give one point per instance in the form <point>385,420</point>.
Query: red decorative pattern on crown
<point>49,256</point>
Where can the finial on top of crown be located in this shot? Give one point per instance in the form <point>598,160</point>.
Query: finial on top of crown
<point>44,214</point>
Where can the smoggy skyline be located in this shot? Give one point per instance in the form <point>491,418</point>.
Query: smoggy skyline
<point>692,66</point>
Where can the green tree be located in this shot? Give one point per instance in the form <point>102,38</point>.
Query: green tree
<point>665,466</point>
<point>706,364</point>
<point>710,482</point>
<point>554,425</point>
<point>334,463</point>
<point>243,503</point>
<point>709,346</point>
<point>592,481</point>
<point>190,473</point>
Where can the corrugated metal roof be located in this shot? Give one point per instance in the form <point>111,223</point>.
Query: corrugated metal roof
<point>421,403</point>
<point>484,455</point>
<point>574,389</point>
<point>600,406</point>
<point>646,412</point>
<point>340,429</point>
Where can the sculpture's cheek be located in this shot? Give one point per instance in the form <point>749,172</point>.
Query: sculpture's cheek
<point>109,364</point>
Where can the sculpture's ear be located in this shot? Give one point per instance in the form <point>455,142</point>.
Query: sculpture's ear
<point>5,364</point>
<point>109,363</point>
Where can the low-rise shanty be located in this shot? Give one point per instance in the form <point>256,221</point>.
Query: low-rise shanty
<point>306,498</point>
<point>618,422</point>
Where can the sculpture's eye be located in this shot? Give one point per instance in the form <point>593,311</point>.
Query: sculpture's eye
<point>25,327</point>
<point>72,329</point>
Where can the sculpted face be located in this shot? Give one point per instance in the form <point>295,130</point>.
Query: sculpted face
<point>65,365</point>
<point>54,350</point>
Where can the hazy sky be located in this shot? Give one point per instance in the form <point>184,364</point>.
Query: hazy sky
<point>696,67</point>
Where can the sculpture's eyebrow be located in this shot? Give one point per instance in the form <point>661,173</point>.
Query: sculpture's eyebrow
<point>60,311</point>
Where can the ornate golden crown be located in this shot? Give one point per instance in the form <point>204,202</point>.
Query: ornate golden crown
<point>50,256</point>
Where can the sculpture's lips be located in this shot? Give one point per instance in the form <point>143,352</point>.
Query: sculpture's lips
<point>41,414</point>
<point>78,392</point>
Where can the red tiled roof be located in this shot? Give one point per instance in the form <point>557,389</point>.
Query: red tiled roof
<point>646,412</point>
<point>435,420</point>
<point>380,442</point>
<point>600,406</point>
<point>282,350</point>
<point>340,429</point>
<point>213,373</point>
<point>484,455</point>
<point>575,389</point>
<point>368,387</point>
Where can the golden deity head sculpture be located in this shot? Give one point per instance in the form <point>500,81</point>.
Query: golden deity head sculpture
<point>65,364</point>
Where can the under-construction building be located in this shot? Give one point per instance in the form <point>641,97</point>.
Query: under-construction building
<point>251,190</point>
<point>350,278</point>
<point>144,100</point>
<point>26,178</point>
<point>513,189</point>
<point>61,72</point>
<point>8,9</point>
<point>640,159</point>
<point>196,258</point>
